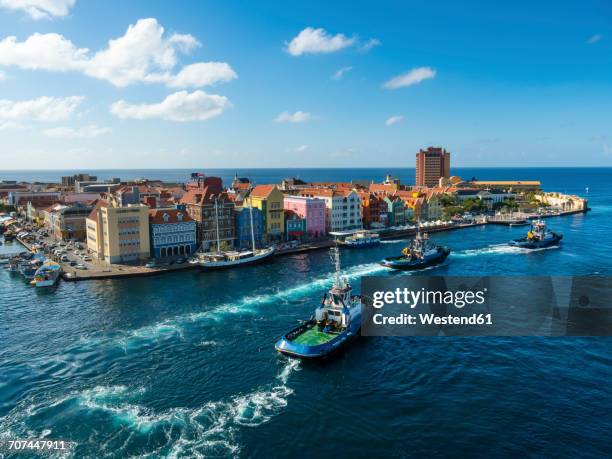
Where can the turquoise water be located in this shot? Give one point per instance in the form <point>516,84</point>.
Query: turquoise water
<point>184,364</point>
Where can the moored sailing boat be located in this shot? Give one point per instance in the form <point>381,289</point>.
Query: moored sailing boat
<point>227,259</point>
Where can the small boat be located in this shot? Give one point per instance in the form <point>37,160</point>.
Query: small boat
<point>360,239</point>
<point>538,236</point>
<point>9,237</point>
<point>335,323</point>
<point>47,275</point>
<point>29,269</point>
<point>420,253</point>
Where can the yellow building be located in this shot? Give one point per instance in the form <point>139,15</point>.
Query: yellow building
<point>269,199</point>
<point>118,234</point>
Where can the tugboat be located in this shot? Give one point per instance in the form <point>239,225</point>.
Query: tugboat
<point>419,254</point>
<point>334,324</point>
<point>537,237</point>
<point>361,239</point>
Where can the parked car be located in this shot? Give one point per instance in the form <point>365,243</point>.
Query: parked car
<point>150,264</point>
<point>81,266</point>
<point>180,261</point>
<point>87,258</point>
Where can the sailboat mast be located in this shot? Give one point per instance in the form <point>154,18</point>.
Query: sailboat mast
<point>217,220</point>
<point>252,228</point>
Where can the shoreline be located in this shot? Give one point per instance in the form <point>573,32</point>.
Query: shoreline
<point>71,274</point>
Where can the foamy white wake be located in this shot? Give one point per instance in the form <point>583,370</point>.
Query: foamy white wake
<point>209,430</point>
<point>174,327</point>
<point>498,249</point>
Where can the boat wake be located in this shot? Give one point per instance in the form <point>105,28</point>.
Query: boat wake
<point>394,241</point>
<point>209,430</point>
<point>499,249</point>
<point>174,328</point>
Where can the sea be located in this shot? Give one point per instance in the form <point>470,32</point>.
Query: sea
<point>183,364</point>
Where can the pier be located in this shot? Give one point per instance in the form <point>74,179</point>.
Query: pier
<point>98,271</point>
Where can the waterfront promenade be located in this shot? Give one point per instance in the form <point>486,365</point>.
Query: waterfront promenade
<point>98,271</point>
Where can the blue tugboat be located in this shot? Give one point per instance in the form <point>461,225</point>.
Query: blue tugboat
<point>335,323</point>
<point>537,237</point>
<point>420,253</point>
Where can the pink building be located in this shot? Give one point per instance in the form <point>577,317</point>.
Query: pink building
<point>310,209</point>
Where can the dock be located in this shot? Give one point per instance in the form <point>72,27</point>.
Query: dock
<point>97,271</point>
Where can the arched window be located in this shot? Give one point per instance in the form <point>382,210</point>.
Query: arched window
<point>163,252</point>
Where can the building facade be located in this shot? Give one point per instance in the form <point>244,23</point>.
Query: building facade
<point>118,234</point>
<point>342,208</point>
<point>269,199</point>
<point>312,210</point>
<point>70,222</point>
<point>244,237</point>
<point>295,226</point>
<point>213,212</point>
<point>432,164</point>
<point>173,233</point>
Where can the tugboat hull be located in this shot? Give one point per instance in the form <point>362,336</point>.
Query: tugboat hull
<point>290,343</point>
<point>406,264</point>
<point>525,243</point>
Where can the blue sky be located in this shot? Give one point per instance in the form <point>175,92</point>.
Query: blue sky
<point>308,84</point>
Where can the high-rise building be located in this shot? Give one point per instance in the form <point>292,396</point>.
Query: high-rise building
<point>431,165</point>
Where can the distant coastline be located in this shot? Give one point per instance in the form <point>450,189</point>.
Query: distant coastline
<point>275,175</point>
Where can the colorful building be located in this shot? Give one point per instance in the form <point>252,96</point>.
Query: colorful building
<point>396,210</point>
<point>173,233</point>
<point>118,234</point>
<point>213,212</point>
<point>244,237</point>
<point>269,199</point>
<point>312,210</point>
<point>373,209</point>
<point>295,226</point>
<point>342,208</point>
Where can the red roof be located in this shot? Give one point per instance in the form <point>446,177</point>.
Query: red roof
<point>262,191</point>
<point>156,216</point>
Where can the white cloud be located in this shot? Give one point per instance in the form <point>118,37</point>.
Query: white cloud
<point>394,120</point>
<point>340,73</point>
<point>315,41</point>
<point>301,149</point>
<point>10,125</point>
<point>202,74</point>
<point>297,117</point>
<point>180,106</point>
<point>371,43</point>
<point>595,38</point>
<point>414,76</point>
<point>2,76</point>
<point>143,54</point>
<point>42,109</point>
<point>40,9</point>
<point>90,131</point>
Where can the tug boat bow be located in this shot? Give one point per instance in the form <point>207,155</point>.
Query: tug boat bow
<point>335,323</point>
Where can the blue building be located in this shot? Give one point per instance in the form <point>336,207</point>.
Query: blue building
<point>295,227</point>
<point>243,227</point>
<point>173,233</point>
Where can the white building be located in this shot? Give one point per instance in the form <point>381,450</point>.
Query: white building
<point>342,208</point>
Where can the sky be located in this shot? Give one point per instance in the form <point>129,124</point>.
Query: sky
<point>196,84</point>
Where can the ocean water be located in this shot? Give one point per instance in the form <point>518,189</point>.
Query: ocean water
<point>183,365</point>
